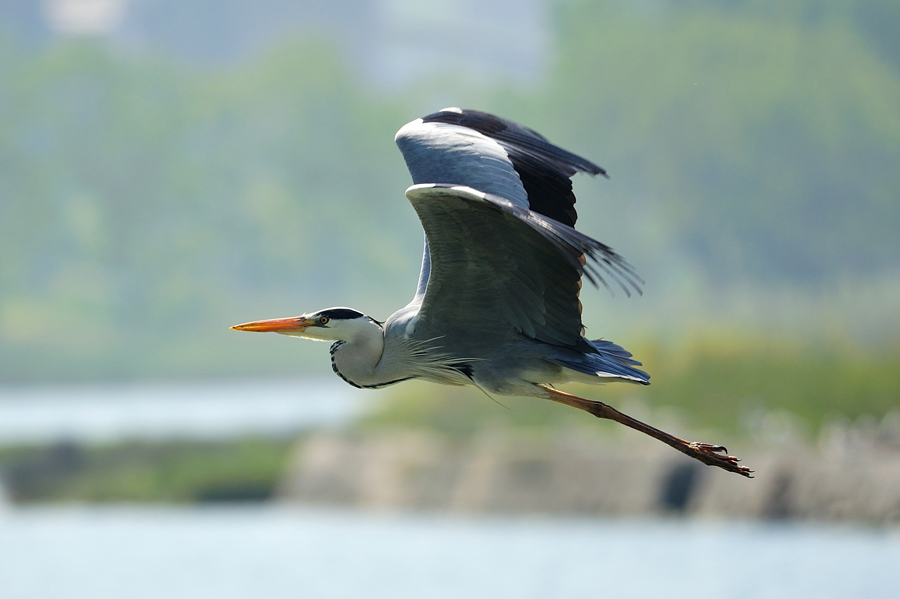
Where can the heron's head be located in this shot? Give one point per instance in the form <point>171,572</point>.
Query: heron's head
<point>331,324</point>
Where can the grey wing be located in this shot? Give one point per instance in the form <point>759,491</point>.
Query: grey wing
<point>448,153</point>
<point>544,169</point>
<point>479,150</point>
<point>497,267</point>
<point>496,156</point>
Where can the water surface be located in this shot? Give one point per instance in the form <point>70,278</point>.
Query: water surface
<point>273,552</point>
<point>214,410</point>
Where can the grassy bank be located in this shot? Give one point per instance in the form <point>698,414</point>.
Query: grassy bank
<point>171,472</point>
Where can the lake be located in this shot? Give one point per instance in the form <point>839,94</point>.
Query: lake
<point>282,551</point>
<point>102,413</point>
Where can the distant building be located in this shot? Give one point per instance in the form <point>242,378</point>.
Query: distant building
<point>389,41</point>
<point>84,17</point>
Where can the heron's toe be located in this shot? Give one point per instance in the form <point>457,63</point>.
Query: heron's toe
<point>712,455</point>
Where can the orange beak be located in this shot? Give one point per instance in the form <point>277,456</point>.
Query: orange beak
<point>294,324</point>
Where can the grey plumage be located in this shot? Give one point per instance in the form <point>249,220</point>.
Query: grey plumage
<point>497,302</point>
<point>515,275</point>
<point>543,168</point>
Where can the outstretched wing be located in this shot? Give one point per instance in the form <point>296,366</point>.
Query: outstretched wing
<point>497,267</point>
<point>496,156</point>
<point>499,157</point>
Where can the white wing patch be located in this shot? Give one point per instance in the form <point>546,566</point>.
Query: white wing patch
<point>457,155</point>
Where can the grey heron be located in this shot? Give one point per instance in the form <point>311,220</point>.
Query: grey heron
<point>497,302</point>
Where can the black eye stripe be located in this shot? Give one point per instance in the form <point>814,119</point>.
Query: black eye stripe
<point>341,314</point>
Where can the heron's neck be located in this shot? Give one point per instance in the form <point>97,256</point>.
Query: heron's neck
<point>356,358</point>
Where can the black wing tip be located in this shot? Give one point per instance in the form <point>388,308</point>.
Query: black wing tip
<point>510,131</point>
<point>545,169</point>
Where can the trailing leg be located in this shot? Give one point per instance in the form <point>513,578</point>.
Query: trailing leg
<point>712,455</point>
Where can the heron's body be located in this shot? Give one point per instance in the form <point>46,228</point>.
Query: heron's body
<point>497,303</point>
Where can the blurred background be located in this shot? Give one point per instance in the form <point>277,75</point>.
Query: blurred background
<point>171,168</point>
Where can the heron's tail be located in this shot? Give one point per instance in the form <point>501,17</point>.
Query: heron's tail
<point>609,361</point>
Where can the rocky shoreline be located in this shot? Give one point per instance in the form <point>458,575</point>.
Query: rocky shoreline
<point>574,473</point>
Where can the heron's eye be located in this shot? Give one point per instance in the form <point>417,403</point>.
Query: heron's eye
<point>323,320</point>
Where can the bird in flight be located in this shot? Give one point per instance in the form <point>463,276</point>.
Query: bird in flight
<point>497,303</point>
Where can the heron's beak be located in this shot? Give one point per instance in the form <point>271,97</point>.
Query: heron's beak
<point>294,324</point>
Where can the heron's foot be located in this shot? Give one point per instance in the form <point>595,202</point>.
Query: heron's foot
<point>716,455</point>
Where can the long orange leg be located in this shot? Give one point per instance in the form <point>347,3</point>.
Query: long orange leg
<point>712,455</point>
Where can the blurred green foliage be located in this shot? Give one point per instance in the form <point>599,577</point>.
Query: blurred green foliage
<point>142,202</point>
<point>716,381</point>
<point>145,205</point>
<point>172,472</point>
<point>766,142</point>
